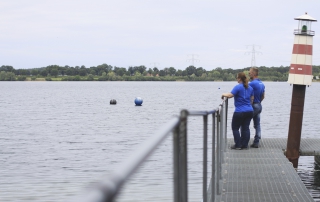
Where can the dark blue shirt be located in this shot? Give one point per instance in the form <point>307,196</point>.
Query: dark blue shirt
<point>242,96</point>
<point>258,89</point>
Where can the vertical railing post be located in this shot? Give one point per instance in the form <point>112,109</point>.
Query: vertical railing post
<point>221,137</point>
<point>223,131</point>
<point>218,151</point>
<point>205,157</point>
<point>225,124</point>
<point>183,159</point>
<point>213,168</point>
<point>176,167</point>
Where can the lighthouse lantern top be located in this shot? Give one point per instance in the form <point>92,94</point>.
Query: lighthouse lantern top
<point>305,17</point>
<point>304,25</point>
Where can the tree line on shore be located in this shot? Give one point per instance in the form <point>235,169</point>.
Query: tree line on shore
<point>105,72</point>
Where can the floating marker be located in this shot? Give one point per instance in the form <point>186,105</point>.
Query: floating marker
<point>138,101</point>
<point>113,102</point>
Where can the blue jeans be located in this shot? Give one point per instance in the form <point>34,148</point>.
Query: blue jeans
<point>241,119</point>
<point>257,109</point>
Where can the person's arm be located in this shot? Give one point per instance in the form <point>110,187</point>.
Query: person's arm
<point>262,97</point>
<point>251,99</point>
<point>228,95</point>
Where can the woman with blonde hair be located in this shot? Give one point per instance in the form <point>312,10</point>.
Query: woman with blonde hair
<point>243,98</point>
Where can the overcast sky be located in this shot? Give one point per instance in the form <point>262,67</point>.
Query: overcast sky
<point>165,33</point>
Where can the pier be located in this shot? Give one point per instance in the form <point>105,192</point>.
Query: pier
<point>264,173</point>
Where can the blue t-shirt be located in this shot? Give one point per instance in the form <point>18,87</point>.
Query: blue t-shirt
<point>242,96</point>
<point>258,89</point>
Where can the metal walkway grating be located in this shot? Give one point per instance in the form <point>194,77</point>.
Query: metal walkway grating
<point>308,147</point>
<point>264,174</point>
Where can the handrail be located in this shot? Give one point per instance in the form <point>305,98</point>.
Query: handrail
<point>201,113</point>
<point>107,190</point>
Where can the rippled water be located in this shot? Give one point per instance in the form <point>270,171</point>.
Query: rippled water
<point>309,172</point>
<point>57,138</point>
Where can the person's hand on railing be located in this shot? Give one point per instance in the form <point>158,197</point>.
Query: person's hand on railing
<point>227,95</point>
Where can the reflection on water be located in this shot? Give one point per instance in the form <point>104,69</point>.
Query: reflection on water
<point>309,172</point>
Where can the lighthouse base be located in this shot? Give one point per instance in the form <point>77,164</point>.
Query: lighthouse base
<point>300,79</point>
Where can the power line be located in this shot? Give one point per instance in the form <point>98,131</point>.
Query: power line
<point>253,52</point>
<point>193,59</point>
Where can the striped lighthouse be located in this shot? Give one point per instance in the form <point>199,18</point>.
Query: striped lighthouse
<point>300,71</point>
<point>300,75</point>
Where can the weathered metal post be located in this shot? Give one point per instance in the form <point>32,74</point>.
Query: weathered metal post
<point>300,75</point>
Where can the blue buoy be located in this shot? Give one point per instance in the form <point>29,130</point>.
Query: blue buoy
<point>138,101</point>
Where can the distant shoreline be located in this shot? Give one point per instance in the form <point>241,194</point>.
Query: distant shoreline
<point>107,72</point>
<point>96,79</point>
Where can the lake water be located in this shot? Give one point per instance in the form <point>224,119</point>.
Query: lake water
<point>58,138</point>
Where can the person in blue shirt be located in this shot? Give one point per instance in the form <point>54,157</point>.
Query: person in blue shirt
<point>258,90</point>
<point>243,98</point>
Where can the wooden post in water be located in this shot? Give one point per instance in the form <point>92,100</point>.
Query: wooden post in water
<point>295,125</point>
<point>317,159</point>
<point>300,75</point>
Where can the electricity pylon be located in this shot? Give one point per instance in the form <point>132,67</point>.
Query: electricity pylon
<point>193,59</point>
<point>154,64</point>
<point>253,52</point>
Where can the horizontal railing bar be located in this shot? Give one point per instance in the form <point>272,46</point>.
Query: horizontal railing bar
<point>201,113</point>
<point>107,189</point>
<point>309,153</point>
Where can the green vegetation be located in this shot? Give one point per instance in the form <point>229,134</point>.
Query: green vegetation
<point>107,72</point>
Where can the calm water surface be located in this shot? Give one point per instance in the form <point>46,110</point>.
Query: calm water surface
<point>58,138</point>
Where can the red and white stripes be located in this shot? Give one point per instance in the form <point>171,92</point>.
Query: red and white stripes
<point>301,62</point>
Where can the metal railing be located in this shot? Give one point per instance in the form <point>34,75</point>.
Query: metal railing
<point>107,190</point>
<point>303,32</point>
